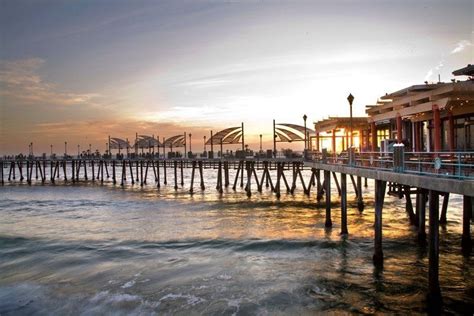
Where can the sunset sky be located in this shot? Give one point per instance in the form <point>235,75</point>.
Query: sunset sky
<point>79,71</point>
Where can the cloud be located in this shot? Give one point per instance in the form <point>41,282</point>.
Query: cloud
<point>460,46</point>
<point>21,84</point>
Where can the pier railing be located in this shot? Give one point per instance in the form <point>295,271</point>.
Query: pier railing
<point>457,165</point>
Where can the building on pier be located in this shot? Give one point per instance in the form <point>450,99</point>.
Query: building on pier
<point>334,133</point>
<point>427,118</point>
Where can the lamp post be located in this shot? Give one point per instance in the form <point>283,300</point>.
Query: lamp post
<point>305,133</point>
<point>51,149</point>
<point>204,143</point>
<point>190,142</point>
<point>65,148</point>
<point>350,98</point>
<point>260,142</point>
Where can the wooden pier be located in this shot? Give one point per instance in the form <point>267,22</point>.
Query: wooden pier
<point>279,174</point>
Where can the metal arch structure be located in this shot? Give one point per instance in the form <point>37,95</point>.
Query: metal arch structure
<point>228,136</point>
<point>118,143</point>
<point>145,141</point>
<point>287,133</point>
<point>175,141</point>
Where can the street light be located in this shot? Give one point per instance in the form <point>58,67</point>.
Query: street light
<point>350,98</point>
<point>260,142</point>
<point>305,132</point>
<point>65,148</point>
<point>189,142</point>
<point>204,143</point>
<point>51,149</point>
<point>78,150</point>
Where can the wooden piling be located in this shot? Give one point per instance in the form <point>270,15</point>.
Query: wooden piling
<point>136,170</point>
<point>106,168</point>
<point>242,175</point>
<point>78,169</point>
<point>254,172</point>
<point>282,174</point>
<point>141,173</point>
<point>165,182</point>
<point>1,166</point>
<point>293,183</point>
<point>85,170</point>
<point>409,205</point>
<point>73,171</point>
<point>102,171</point>
<point>354,185</point>
<point>444,209</point>
<point>336,181</point>
<point>201,174</point>
<point>320,187</point>
<point>237,176</point>
<point>219,178</point>
<point>360,197</point>
<point>175,166</point>
<point>92,165</point>
<point>226,174</point>
<point>277,184</point>
<point>421,210</point>
<point>192,177</point>
<point>130,166</point>
<point>248,187</point>
<point>122,180</point>
<point>434,292</point>
<point>113,172</point>
<point>64,170</point>
<point>379,199</point>
<point>466,242</point>
<point>158,174</point>
<point>20,169</point>
<point>327,180</point>
<point>343,204</point>
<point>182,172</point>
<point>28,172</point>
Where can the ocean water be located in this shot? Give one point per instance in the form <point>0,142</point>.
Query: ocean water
<point>102,249</point>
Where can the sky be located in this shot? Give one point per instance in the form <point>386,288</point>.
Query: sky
<point>79,71</point>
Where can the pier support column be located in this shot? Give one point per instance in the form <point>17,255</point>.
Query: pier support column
<point>327,180</point>
<point>466,225</point>
<point>408,204</point>
<point>165,174</point>
<point>344,204</point>
<point>201,174</point>
<point>360,201</point>
<point>379,199</point>
<point>434,292</point>
<point>175,166</point>
<point>319,186</point>
<point>421,210</point>
<point>444,209</point>
<point>226,174</point>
